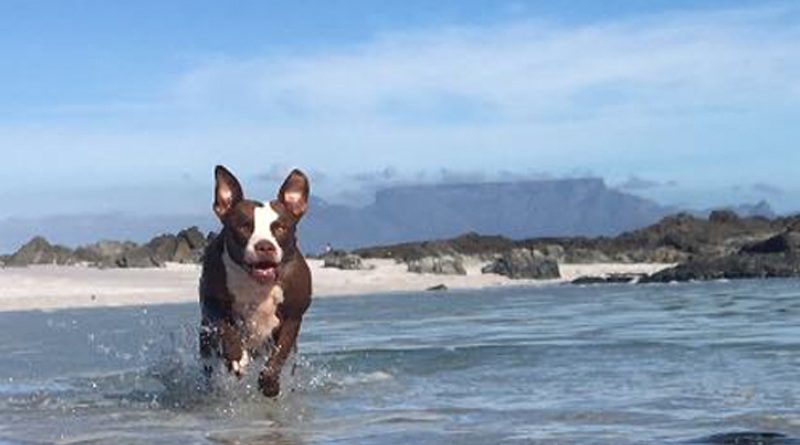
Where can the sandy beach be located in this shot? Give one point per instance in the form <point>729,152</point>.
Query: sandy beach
<point>56,287</point>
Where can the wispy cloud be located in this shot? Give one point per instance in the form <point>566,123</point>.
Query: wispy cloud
<point>384,175</point>
<point>726,61</point>
<point>663,95</point>
<point>637,183</point>
<point>766,188</point>
<point>678,90</point>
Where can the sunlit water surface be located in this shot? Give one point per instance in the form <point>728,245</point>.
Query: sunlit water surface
<point>621,364</point>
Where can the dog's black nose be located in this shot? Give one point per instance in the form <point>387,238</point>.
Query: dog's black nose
<point>265,247</point>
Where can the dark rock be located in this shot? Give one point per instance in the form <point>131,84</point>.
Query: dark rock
<point>554,252</point>
<point>39,251</point>
<point>723,217</point>
<point>140,257</point>
<point>191,245</point>
<point>680,241</point>
<point>86,254</point>
<point>194,238</point>
<point>673,239</point>
<point>720,235</point>
<point>437,288</point>
<point>585,256</point>
<point>615,278</point>
<point>524,263</point>
<point>185,247</point>
<point>162,248</point>
<point>468,244</point>
<point>748,438</point>
<point>658,255</point>
<point>736,266</point>
<point>786,242</point>
<point>439,265</point>
<point>590,280</point>
<point>184,252</point>
<point>340,259</point>
<point>103,253</point>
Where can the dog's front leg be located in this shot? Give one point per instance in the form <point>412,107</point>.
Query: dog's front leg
<point>233,353</point>
<point>269,379</point>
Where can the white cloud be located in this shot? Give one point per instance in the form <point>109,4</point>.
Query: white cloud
<point>687,96</point>
<point>521,72</point>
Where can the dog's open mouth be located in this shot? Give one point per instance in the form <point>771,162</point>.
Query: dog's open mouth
<point>265,272</point>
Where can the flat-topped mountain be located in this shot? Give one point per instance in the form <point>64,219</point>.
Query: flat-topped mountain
<point>563,207</point>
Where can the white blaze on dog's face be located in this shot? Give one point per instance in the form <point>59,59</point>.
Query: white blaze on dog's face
<point>264,219</point>
<point>258,234</point>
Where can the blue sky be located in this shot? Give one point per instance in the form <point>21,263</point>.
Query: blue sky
<point>110,105</point>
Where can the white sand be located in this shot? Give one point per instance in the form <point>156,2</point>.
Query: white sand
<point>54,287</point>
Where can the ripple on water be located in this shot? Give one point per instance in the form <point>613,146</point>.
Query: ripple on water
<point>635,364</point>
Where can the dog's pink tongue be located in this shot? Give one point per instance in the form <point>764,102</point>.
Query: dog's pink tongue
<point>265,275</point>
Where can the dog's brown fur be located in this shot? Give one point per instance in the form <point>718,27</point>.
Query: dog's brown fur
<point>228,331</point>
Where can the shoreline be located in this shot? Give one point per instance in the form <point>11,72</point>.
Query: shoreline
<point>68,287</point>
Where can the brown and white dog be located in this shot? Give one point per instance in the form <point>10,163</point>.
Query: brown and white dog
<point>256,285</point>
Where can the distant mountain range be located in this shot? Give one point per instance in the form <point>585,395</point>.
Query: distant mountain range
<point>565,207</point>
<point>514,209</point>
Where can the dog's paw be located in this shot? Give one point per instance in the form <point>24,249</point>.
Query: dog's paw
<point>277,294</point>
<point>268,384</point>
<point>238,367</point>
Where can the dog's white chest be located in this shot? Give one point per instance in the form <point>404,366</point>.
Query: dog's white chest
<point>256,304</point>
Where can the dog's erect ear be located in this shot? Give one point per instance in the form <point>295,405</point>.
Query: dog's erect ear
<point>294,193</point>
<point>227,191</point>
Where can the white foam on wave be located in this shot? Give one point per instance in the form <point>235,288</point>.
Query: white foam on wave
<point>12,388</point>
<point>366,378</point>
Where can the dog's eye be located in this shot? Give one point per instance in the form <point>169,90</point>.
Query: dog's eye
<point>246,228</point>
<point>279,230</point>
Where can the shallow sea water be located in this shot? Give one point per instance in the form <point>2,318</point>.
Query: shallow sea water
<point>615,364</point>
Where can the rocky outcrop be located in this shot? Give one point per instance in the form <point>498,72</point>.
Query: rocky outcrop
<point>737,266</point>
<point>104,254</point>
<point>585,256</point>
<point>777,256</point>
<point>39,251</point>
<point>723,245</point>
<point>139,257</point>
<point>524,263</point>
<point>469,244</point>
<point>555,252</point>
<point>340,259</point>
<point>675,239</point>
<point>185,247</point>
<point>439,265</point>
<point>786,242</point>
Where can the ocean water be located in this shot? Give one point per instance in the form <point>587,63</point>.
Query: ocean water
<point>616,364</point>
